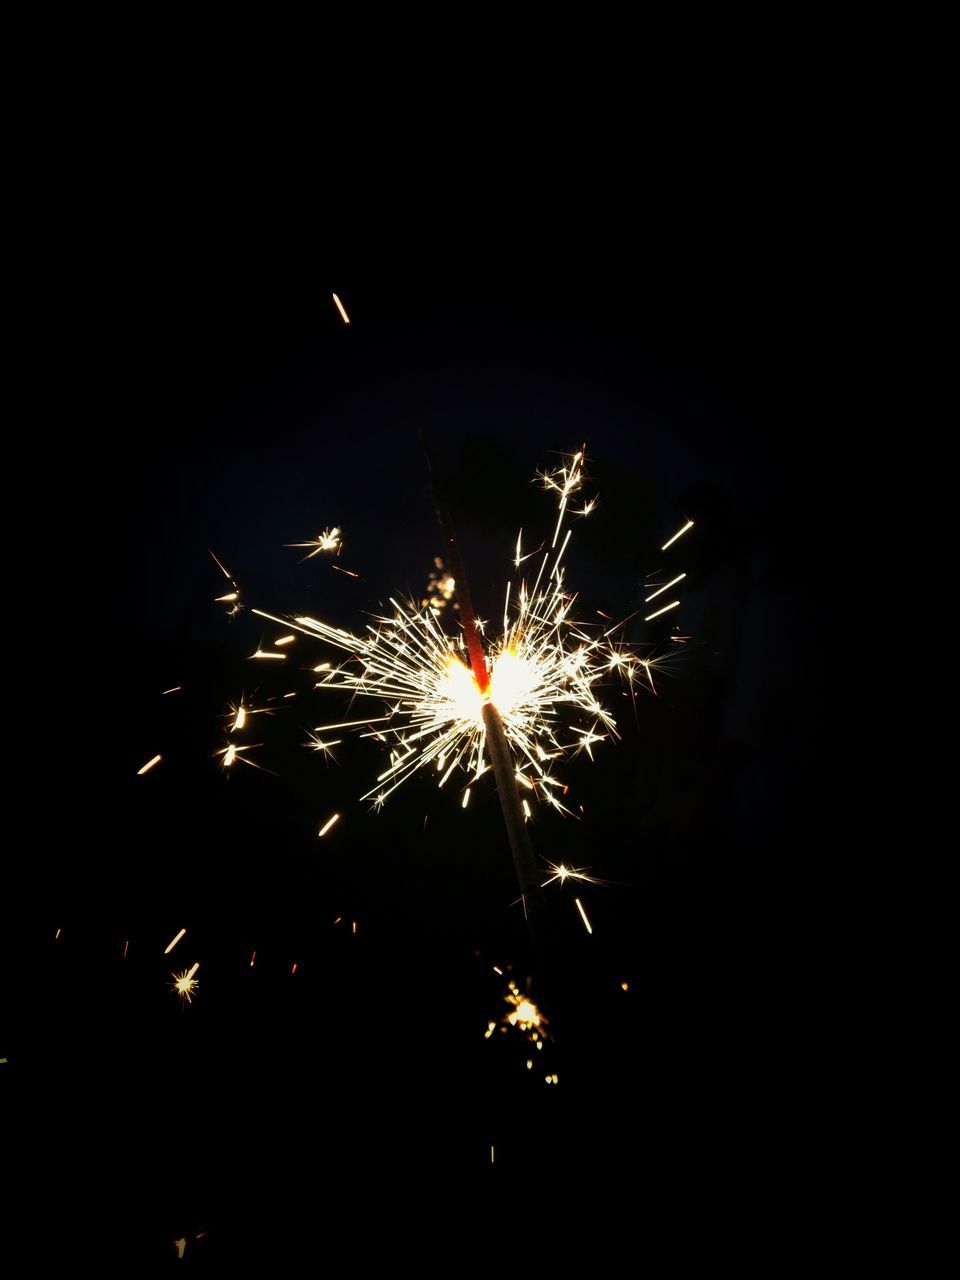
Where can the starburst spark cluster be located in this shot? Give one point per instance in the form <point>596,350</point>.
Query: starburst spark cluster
<point>543,670</point>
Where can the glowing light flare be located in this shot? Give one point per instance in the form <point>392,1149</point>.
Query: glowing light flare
<point>583,916</point>
<point>327,825</point>
<point>149,765</point>
<point>666,586</point>
<point>666,609</point>
<point>679,534</point>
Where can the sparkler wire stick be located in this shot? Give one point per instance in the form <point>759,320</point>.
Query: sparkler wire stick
<point>501,757</point>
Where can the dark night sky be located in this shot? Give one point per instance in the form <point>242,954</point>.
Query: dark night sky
<point>240,414</point>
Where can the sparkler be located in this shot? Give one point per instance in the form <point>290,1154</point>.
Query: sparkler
<point>329,540</point>
<point>515,704</point>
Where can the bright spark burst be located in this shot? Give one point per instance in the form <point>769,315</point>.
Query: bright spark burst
<point>564,873</point>
<point>543,669</point>
<point>329,540</point>
<point>185,984</point>
<point>525,1016</point>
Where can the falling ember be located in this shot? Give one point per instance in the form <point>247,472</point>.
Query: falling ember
<point>176,689</point>
<point>252,958</point>
<point>293,970</point>
<point>491,1155</point>
<point>660,590</point>
<point>666,609</point>
<point>466,798</point>
<point>174,942</point>
<point>57,934</point>
<point>678,534</point>
<point>261,654</point>
<point>327,825</point>
<point>624,986</point>
<point>354,926</point>
<point>149,765</point>
<point>228,598</point>
<point>284,640</point>
<point>583,915</point>
<point>125,946</point>
<point>180,1246</point>
<point>340,308</point>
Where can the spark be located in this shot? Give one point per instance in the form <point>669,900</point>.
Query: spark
<point>185,984</point>
<point>293,970</point>
<point>176,689</point>
<point>327,825</point>
<point>348,572</point>
<point>220,566</point>
<point>678,534</point>
<point>149,765</point>
<point>543,671</point>
<point>340,308</point>
<point>624,986</point>
<point>666,609</point>
<point>241,719</point>
<point>252,959</point>
<point>524,1015</point>
<point>174,942</point>
<point>564,873</point>
<point>583,915</point>
<point>328,540</point>
<point>228,598</point>
<point>180,1246</point>
<point>466,797</point>
<point>492,1161</point>
<point>125,946</point>
<point>261,654</point>
<point>284,640</point>
<point>57,934</point>
<point>660,590</point>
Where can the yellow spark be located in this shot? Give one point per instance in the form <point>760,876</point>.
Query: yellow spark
<point>232,595</point>
<point>176,689</point>
<point>241,719</point>
<point>524,1014</point>
<point>174,942</point>
<point>180,1246</point>
<point>185,984</point>
<point>346,318</point>
<point>261,654</point>
<point>229,756</point>
<point>328,540</point>
<point>289,695</point>
<point>624,986</point>
<point>583,915</point>
<point>149,765</point>
<point>327,825</point>
<point>564,873</point>
<point>678,534</point>
<point>526,810</point>
<point>491,1155</point>
<point>466,797</point>
<point>660,590</point>
<point>498,970</point>
<point>666,609</point>
<point>284,640</point>
<point>57,934</point>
